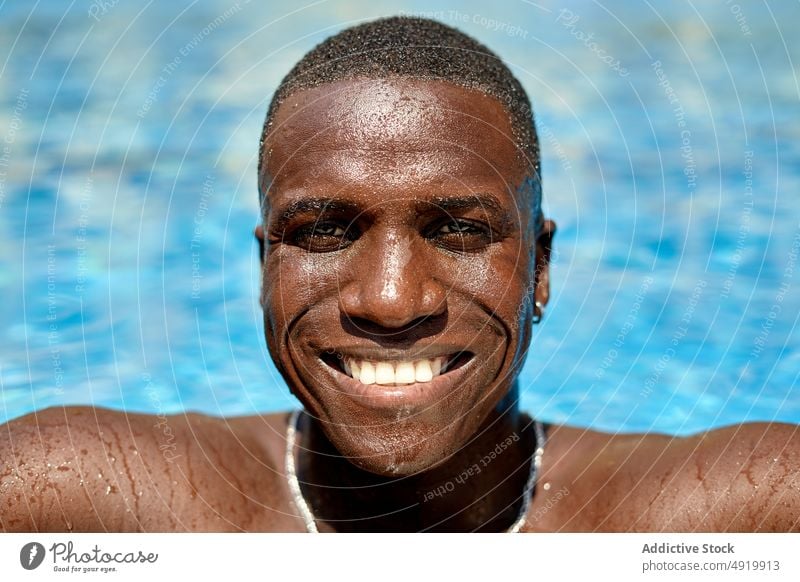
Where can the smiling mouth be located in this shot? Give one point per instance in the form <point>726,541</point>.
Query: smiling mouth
<point>395,372</point>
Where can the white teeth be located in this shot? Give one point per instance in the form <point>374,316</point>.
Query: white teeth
<point>367,373</point>
<point>394,372</point>
<point>384,373</point>
<point>404,373</point>
<point>423,372</point>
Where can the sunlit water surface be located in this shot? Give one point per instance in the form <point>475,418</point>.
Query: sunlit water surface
<point>671,148</point>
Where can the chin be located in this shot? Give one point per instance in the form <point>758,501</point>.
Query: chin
<point>403,441</point>
<point>402,448</point>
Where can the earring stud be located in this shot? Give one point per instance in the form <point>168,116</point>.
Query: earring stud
<point>538,311</point>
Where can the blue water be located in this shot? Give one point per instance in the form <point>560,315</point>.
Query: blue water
<point>671,148</point>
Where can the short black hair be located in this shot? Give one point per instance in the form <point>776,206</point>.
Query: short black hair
<point>418,48</point>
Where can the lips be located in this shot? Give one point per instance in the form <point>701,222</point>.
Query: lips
<point>388,383</point>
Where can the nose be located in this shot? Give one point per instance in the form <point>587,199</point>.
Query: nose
<point>392,284</point>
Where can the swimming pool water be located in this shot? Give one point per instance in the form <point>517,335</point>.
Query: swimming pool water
<point>128,142</point>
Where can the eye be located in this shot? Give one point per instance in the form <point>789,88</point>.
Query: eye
<point>462,235</point>
<point>323,236</point>
<point>460,228</point>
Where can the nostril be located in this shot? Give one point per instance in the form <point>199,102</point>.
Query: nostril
<point>391,317</point>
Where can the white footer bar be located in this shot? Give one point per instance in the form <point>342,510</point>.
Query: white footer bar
<point>414,558</point>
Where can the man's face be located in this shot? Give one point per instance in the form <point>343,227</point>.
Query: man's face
<point>398,279</point>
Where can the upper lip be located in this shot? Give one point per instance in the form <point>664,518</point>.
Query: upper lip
<point>383,354</point>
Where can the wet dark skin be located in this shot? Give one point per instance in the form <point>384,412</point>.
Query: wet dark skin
<point>397,224</point>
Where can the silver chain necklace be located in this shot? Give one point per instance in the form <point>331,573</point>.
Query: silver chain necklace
<point>311,522</point>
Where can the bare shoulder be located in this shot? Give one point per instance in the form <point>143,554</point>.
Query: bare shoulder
<point>738,478</point>
<point>92,469</point>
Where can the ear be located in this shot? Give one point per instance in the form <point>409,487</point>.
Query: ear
<point>544,245</point>
<point>259,232</point>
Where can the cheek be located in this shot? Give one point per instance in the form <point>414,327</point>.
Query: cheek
<point>498,280</point>
<point>293,280</point>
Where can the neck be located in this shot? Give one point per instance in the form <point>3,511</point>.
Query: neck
<point>480,488</point>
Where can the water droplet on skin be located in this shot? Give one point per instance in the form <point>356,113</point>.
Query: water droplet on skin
<point>547,486</point>
<point>110,489</point>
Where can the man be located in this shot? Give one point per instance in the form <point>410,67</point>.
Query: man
<point>405,259</point>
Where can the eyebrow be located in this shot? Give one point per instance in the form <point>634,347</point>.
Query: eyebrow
<point>485,202</point>
<point>481,201</point>
<point>468,202</point>
<point>308,206</point>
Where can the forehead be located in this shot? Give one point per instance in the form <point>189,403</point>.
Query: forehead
<point>396,132</point>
